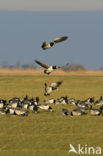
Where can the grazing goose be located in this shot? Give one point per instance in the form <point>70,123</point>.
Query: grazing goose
<point>27,102</point>
<point>2,103</point>
<point>25,106</point>
<point>73,101</point>
<point>82,104</point>
<point>47,45</point>
<point>99,102</point>
<point>95,112</point>
<point>62,100</point>
<point>15,102</point>
<point>64,111</point>
<point>77,112</point>
<point>48,69</point>
<point>51,101</point>
<point>89,100</point>
<point>33,108</point>
<point>36,101</point>
<point>15,111</point>
<point>10,111</point>
<point>21,112</point>
<point>81,109</point>
<point>45,107</point>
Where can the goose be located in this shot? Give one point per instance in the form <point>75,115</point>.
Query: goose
<point>81,109</point>
<point>15,102</point>
<point>47,45</point>
<point>51,101</point>
<point>48,90</point>
<point>48,69</point>
<point>73,101</point>
<point>99,102</point>
<point>33,108</point>
<point>89,100</point>
<point>82,104</point>
<point>10,110</point>
<point>62,100</point>
<point>2,103</point>
<point>45,107</point>
<point>64,111</point>
<point>27,102</point>
<point>36,101</point>
<point>21,112</point>
<point>25,106</point>
<point>95,112</point>
<point>77,112</point>
<point>15,111</point>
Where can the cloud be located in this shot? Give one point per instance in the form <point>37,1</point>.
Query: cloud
<point>53,5</point>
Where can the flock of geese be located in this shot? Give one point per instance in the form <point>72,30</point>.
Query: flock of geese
<point>23,106</point>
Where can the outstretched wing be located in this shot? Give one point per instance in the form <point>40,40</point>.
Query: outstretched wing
<point>56,84</point>
<point>42,64</point>
<point>60,39</point>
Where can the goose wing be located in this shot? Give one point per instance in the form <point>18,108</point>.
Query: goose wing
<point>42,64</point>
<point>60,39</point>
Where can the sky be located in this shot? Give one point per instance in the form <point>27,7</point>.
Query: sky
<point>25,24</point>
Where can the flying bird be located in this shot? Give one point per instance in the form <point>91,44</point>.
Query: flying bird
<point>53,86</point>
<point>47,45</point>
<point>48,90</point>
<point>48,69</point>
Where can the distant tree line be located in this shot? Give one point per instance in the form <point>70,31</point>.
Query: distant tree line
<point>18,66</point>
<point>73,67</point>
<point>67,67</point>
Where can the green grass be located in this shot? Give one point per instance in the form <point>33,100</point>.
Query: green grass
<point>49,133</point>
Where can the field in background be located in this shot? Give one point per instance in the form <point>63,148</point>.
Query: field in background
<point>49,133</point>
<point>7,71</point>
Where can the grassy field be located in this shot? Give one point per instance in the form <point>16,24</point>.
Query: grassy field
<point>49,133</point>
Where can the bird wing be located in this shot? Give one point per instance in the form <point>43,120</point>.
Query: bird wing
<point>59,83</point>
<point>60,39</point>
<point>42,64</point>
<point>56,84</point>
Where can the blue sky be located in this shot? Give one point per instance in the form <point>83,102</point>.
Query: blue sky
<point>23,29</point>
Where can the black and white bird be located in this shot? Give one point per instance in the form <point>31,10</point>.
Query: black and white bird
<point>95,112</point>
<point>45,107</point>
<point>99,102</point>
<point>77,112</point>
<point>49,89</point>
<point>48,69</point>
<point>47,45</point>
<point>62,100</point>
<point>50,101</point>
<point>15,111</point>
<point>2,103</point>
<point>64,111</point>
